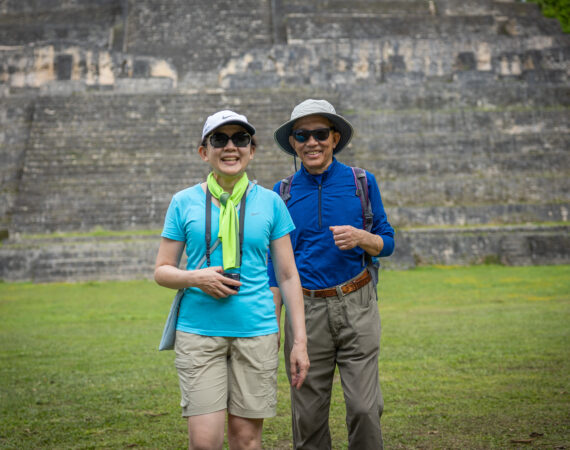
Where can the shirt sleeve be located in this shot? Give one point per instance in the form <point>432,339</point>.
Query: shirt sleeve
<point>173,228</point>
<point>283,223</point>
<point>380,225</point>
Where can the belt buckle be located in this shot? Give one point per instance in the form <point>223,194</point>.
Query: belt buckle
<point>354,285</point>
<point>350,287</point>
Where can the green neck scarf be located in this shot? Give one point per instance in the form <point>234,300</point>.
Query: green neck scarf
<point>229,225</point>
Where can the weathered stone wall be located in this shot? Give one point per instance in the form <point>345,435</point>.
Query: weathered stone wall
<point>59,69</point>
<point>89,22</point>
<point>199,35</point>
<point>461,110</point>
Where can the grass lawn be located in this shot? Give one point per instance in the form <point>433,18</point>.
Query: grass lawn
<point>472,358</point>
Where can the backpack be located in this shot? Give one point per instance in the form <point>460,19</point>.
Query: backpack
<point>361,183</point>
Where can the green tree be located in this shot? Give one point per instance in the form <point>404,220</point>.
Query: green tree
<point>559,9</point>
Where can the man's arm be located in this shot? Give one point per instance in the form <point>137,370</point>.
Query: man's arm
<point>346,237</point>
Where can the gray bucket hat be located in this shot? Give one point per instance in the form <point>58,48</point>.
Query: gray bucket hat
<point>308,108</point>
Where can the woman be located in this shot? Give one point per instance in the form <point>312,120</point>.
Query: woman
<point>226,339</point>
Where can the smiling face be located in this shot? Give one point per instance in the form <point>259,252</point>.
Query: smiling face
<point>315,155</point>
<point>228,163</point>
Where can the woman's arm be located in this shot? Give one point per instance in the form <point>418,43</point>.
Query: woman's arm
<point>290,287</point>
<point>167,273</point>
<point>278,307</point>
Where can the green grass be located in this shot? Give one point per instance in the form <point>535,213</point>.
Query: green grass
<point>471,358</point>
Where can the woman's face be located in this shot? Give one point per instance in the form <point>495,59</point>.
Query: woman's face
<point>230,160</point>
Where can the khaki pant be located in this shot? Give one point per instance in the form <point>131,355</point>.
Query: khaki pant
<point>343,330</point>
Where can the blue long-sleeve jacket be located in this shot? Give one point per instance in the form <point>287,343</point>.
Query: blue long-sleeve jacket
<point>319,201</point>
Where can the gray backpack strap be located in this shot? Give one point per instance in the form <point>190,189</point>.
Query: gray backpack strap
<point>285,188</point>
<point>361,183</point>
<point>371,263</point>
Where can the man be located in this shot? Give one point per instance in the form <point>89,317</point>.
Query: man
<point>341,311</point>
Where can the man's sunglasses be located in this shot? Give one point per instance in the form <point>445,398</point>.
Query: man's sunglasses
<point>220,140</point>
<point>320,134</point>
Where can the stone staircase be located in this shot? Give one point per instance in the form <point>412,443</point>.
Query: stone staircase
<point>461,110</point>
<point>114,161</point>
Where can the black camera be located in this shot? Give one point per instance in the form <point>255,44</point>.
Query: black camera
<point>233,276</point>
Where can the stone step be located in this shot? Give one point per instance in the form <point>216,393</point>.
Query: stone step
<point>498,95</point>
<point>78,258</point>
<point>497,8</point>
<point>555,165</point>
<point>474,215</point>
<point>509,245</point>
<point>309,27</point>
<point>86,165</point>
<point>416,110</point>
<point>15,119</point>
<point>475,189</point>
<point>101,258</point>
<point>463,122</point>
<point>524,144</point>
<point>387,155</point>
<point>473,181</point>
<point>119,169</point>
<point>414,7</point>
<point>380,7</point>
<point>115,207</point>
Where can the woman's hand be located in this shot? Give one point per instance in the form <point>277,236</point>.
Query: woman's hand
<point>212,282</point>
<point>299,360</point>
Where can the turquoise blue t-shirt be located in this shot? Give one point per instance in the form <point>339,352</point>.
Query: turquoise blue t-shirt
<point>250,312</point>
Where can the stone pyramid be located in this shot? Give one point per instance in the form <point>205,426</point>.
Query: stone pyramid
<point>461,110</point>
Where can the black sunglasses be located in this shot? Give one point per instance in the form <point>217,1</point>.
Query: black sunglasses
<point>320,134</point>
<point>220,140</point>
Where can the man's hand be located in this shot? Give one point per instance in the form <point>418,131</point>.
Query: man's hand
<point>346,237</point>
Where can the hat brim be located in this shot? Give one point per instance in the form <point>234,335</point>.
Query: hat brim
<point>340,124</point>
<point>249,128</point>
<point>246,125</point>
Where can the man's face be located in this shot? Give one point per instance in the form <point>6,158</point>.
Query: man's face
<point>316,155</point>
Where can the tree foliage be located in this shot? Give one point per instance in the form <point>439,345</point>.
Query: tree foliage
<point>559,9</point>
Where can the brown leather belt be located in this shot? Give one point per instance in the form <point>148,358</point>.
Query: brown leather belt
<point>354,285</point>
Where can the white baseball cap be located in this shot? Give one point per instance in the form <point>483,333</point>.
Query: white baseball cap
<point>226,117</point>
